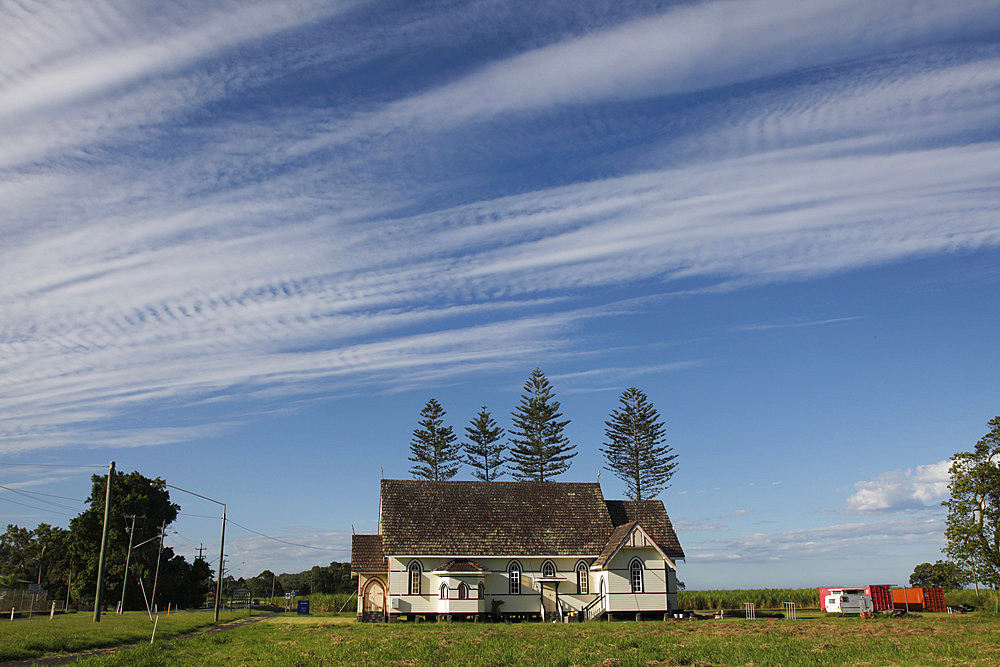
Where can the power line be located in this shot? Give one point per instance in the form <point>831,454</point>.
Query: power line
<point>54,465</point>
<point>294,544</point>
<point>28,495</point>
<point>52,495</point>
<point>40,509</point>
<point>200,516</point>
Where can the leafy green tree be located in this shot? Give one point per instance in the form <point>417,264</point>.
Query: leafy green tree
<point>179,582</point>
<point>973,522</point>
<point>942,574</point>
<point>15,553</point>
<point>131,493</point>
<point>434,448</point>
<point>484,449</point>
<point>635,448</point>
<point>539,449</point>
<point>261,585</point>
<point>36,556</point>
<point>182,584</point>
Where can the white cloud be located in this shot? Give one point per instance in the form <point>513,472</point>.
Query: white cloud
<point>128,281</point>
<point>840,540</point>
<point>67,62</point>
<point>689,48</point>
<point>915,488</point>
<point>310,546</point>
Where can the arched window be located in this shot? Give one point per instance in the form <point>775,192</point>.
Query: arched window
<point>443,593</point>
<point>548,569</point>
<point>635,575</point>
<point>514,578</point>
<point>463,591</point>
<point>481,591</point>
<point>582,579</point>
<point>415,571</point>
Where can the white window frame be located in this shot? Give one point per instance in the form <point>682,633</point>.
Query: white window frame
<point>514,578</point>
<point>443,592</point>
<point>414,568</point>
<point>463,591</point>
<point>582,579</point>
<point>635,575</point>
<point>546,566</point>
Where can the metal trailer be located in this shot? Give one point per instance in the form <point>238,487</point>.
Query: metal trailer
<point>848,601</point>
<point>919,599</point>
<point>881,594</point>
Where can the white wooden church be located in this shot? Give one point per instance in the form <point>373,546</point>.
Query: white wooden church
<point>541,550</point>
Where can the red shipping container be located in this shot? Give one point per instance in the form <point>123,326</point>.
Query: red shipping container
<point>919,599</point>
<point>881,594</point>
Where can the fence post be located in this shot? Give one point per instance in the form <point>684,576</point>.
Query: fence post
<point>789,610</point>
<point>750,610</point>
<point>52,612</point>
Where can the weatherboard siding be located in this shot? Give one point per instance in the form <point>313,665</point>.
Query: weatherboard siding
<point>496,585</point>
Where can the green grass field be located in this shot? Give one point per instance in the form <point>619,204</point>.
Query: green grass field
<point>31,638</point>
<point>931,639</point>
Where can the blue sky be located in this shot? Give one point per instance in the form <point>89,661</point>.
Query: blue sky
<point>244,242</point>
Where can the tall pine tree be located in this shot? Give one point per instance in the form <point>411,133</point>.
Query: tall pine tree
<point>435,452</point>
<point>484,451</point>
<point>539,450</point>
<point>635,448</point>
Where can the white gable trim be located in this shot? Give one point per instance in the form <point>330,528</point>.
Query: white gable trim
<point>637,538</point>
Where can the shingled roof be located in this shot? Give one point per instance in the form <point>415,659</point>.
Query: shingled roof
<point>367,554</point>
<point>493,518</point>
<point>652,516</point>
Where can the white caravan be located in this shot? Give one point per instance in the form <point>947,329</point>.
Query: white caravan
<point>848,601</point>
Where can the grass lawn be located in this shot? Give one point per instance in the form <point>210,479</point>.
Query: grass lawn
<point>32,638</point>
<point>932,639</point>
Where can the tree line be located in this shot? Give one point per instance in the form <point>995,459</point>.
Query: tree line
<point>64,561</point>
<point>536,447</point>
<point>333,578</point>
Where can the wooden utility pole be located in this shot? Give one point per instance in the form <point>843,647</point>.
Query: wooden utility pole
<point>222,549</point>
<point>98,601</point>
<point>152,597</point>
<point>222,552</point>
<point>128,557</point>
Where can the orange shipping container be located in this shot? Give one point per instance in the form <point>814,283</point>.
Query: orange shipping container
<point>919,599</point>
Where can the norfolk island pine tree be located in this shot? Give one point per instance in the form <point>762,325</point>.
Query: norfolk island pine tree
<point>484,449</point>
<point>539,450</point>
<point>635,449</point>
<point>434,447</point>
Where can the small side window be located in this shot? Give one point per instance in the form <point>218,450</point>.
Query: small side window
<point>635,575</point>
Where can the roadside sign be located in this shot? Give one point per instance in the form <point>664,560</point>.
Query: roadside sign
<point>34,589</point>
<point>288,596</point>
<point>303,607</point>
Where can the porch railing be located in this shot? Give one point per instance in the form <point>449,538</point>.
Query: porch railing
<point>593,610</point>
